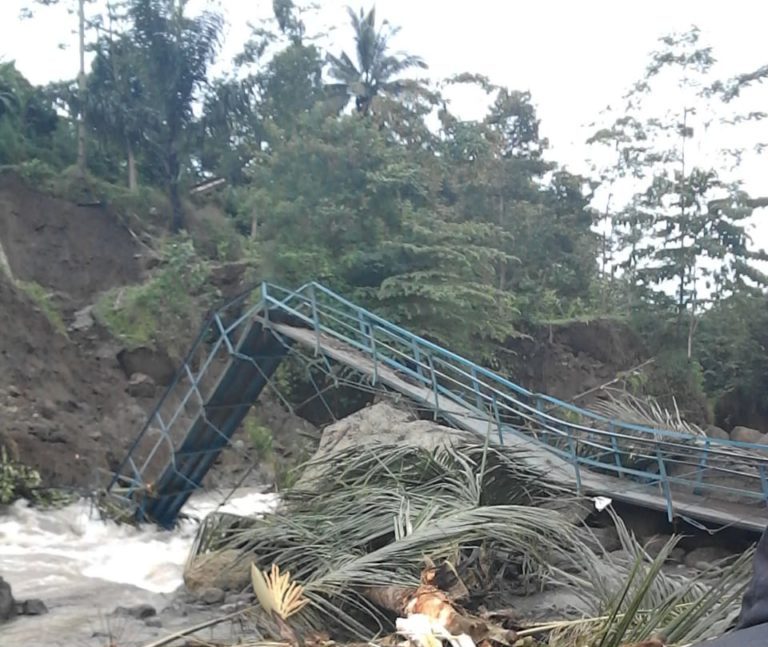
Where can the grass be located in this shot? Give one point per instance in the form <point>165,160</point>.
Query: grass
<point>43,300</point>
<point>165,311</point>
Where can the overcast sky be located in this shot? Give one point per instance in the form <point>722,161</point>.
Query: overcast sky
<point>575,56</point>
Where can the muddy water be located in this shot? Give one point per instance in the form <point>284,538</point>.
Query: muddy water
<point>83,568</point>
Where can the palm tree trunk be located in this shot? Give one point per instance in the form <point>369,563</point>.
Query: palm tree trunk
<point>132,174</point>
<point>177,211</point>
<point>81,160</point>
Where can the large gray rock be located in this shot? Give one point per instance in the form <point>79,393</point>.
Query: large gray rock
<point>716,433</point>
<point>225,570</point>
<point>140,611</point>
<point>33,607</point>
<point>656,543</point>
<point>382,424</point>
<point>7,603</point>
<point>212,595</point>
<point>607,539</point>
<point>148,361</point>
<point>704,558</point>
<point>141,386</point>
<point>83,319</point>
<point>746,435</point>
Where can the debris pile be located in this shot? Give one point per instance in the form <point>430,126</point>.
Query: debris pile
<point>435,545</point>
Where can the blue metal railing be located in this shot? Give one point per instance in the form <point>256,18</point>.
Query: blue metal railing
<point>669,462</point>
<point>672,462</point>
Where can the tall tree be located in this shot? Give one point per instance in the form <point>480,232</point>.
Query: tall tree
<point>684,230</point>
<point>115,109</point>
<point>9,102</point>
<point>375,69</point>
<point>174,52</point>
<point>78,7</point>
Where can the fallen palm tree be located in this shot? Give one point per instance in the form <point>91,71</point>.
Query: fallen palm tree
<point>447,537</point>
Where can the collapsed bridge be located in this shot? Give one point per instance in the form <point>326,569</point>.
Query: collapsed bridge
<point>704,480</point>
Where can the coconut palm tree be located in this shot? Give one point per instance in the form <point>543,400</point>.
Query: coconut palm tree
<point>9,99</point>
<point>375,68</point>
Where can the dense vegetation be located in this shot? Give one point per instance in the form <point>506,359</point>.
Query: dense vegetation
<point>349,168</point>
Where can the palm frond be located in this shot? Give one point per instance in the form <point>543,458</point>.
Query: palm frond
<point>620,405</point>
<point>634,599</point>
<point>369,518</point>
<point>277,593</point>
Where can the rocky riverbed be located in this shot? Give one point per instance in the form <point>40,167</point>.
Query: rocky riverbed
<point>104,584</point>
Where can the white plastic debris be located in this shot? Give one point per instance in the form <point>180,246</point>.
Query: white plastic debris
<point>602,502</point>
<point>420,630</point>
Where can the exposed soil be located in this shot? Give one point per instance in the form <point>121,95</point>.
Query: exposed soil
<point>77,251</point>
<point>63,408</point>
<point>569,360</point>
<point>63,405</point>
<point>66,406</point>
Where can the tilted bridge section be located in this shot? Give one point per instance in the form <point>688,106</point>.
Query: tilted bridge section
<point>703,480</point>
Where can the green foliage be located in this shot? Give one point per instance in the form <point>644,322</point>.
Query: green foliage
<point>465,231</point>
<point>375,69</point>
<point>166,310</point>
<point>172,52</point>
<point>28,121</point>
<point>17,481</point>
<point>684,233</point>
<point>673,376</point>
<point>260,438</point>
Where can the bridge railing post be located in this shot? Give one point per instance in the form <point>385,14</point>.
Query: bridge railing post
<point>417,358</point>
<point>265,300</point>
<point>315,317</point>
<point>764,483</point>
<point>369,341</point>
<point>433,379</point>
<point>573,447</point>
<point>616,451</point>
<point>702,466</point>
<point>496,415</point>
<point>476,389</point>
<point>665,485</point>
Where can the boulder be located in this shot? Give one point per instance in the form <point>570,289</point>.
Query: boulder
<point>225,570</point>
<point>382,424</point>
<point>716,433</point>
<point>677,555</point>
<point>746,435</point>
<point>654,544</point>
<point>704,558</point>
<point>48,410</point>
<point>83,319</point>
<point>147,361</point>
<point>33,607</point>
<point>607,539</point>
<point>212,595</point>
<point>7,603</point>
<point>140,611</point>
<point>141,386</point>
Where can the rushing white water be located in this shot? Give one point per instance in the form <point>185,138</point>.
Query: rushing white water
<point>46,553</point>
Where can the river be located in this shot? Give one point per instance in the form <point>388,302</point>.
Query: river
<point>83,568</point>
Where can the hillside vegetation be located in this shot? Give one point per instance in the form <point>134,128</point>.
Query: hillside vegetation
<point>349,168</point>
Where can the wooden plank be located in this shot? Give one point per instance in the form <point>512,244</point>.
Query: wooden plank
<point>703,509</point>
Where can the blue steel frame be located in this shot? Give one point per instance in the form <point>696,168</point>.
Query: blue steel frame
<point>670,460</point>
<point>664,459</point>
